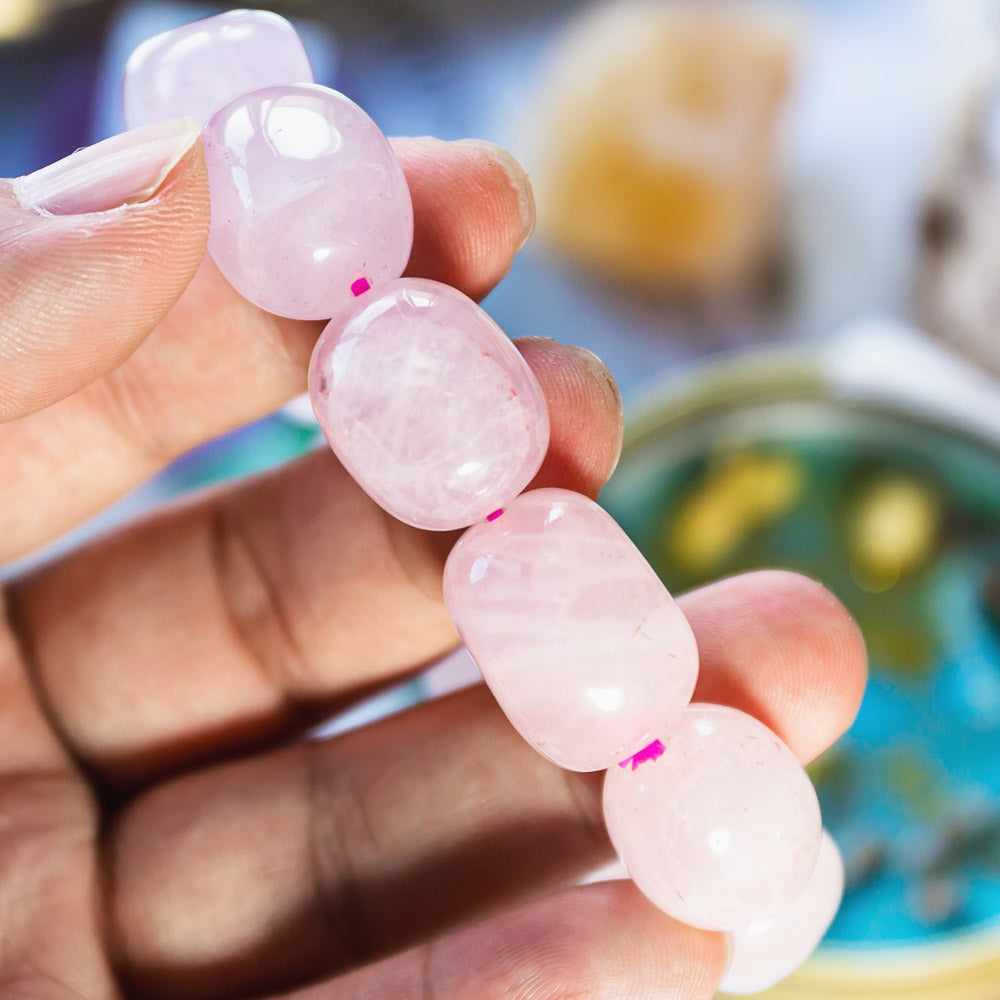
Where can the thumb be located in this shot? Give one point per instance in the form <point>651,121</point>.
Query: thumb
<point>94,251</point>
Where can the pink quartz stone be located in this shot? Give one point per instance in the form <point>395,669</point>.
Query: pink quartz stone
<point>724,828</point>
<point>578,639</point>
<point>195,69</point>
<point>766,951</point>
<point>307,198</point>
<point>428,404</point>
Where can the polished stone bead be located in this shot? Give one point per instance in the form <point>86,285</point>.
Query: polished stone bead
<point>579,641</point>
<point>308,199</point>
<point>721,830</point>
<point>428,405</point>
<point>767,951</point>
<point>195,69</point>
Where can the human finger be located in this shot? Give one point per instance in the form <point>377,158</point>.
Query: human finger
<point>94,252</point>
<point>473,210</point>
<point>602,940</point>
<point>782,648</point>
<point>50,927</point>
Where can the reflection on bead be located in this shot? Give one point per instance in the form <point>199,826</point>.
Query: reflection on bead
<point>195,69</point>
<point>768,950</point>
<point>586,652</point>
<point>724,828</point>
<point>428,404</point>
<point>307,199</point>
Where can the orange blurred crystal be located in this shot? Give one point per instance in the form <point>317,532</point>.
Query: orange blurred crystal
<point>656,151</point>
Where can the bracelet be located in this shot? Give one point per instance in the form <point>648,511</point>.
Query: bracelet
<point>440,420</point>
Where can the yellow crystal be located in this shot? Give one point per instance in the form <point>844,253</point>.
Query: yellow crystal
<point>655,155</point>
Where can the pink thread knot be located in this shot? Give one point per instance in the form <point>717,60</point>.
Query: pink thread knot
<point>495,514</point>
<point>651,752</point>
<point>360,286</point>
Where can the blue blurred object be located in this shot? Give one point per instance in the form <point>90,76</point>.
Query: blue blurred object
<point>46,99</point>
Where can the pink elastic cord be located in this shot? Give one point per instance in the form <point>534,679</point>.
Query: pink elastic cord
<point>495,514</point>
<point>360,286</point>
<point>651,752</point>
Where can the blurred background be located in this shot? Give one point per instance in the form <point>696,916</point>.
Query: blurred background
<point>779,224</point>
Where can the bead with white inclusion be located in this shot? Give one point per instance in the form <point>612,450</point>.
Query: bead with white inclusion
<point>428,404</point>
<point>768,950</point>
<point>723,828</point>
<point>307,200</point>
<point>196,68</point>
<point>581,644</point>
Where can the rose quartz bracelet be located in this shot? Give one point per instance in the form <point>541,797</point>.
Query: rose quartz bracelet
<point>440,420</point>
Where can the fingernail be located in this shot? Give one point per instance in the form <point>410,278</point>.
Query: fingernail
<point>123,170</point>
<point>519,181</point>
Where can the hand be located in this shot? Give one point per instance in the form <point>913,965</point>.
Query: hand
<point>164,833</point>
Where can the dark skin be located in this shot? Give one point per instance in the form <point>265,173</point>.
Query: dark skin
<point>165,832</point>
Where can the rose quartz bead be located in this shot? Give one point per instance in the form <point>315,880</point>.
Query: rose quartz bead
<point>307,198</point>
<point>721,830</point>
<point>766,951</point>
<point>582,646</point>
<point>195,69</point>
<point>428,405</point>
